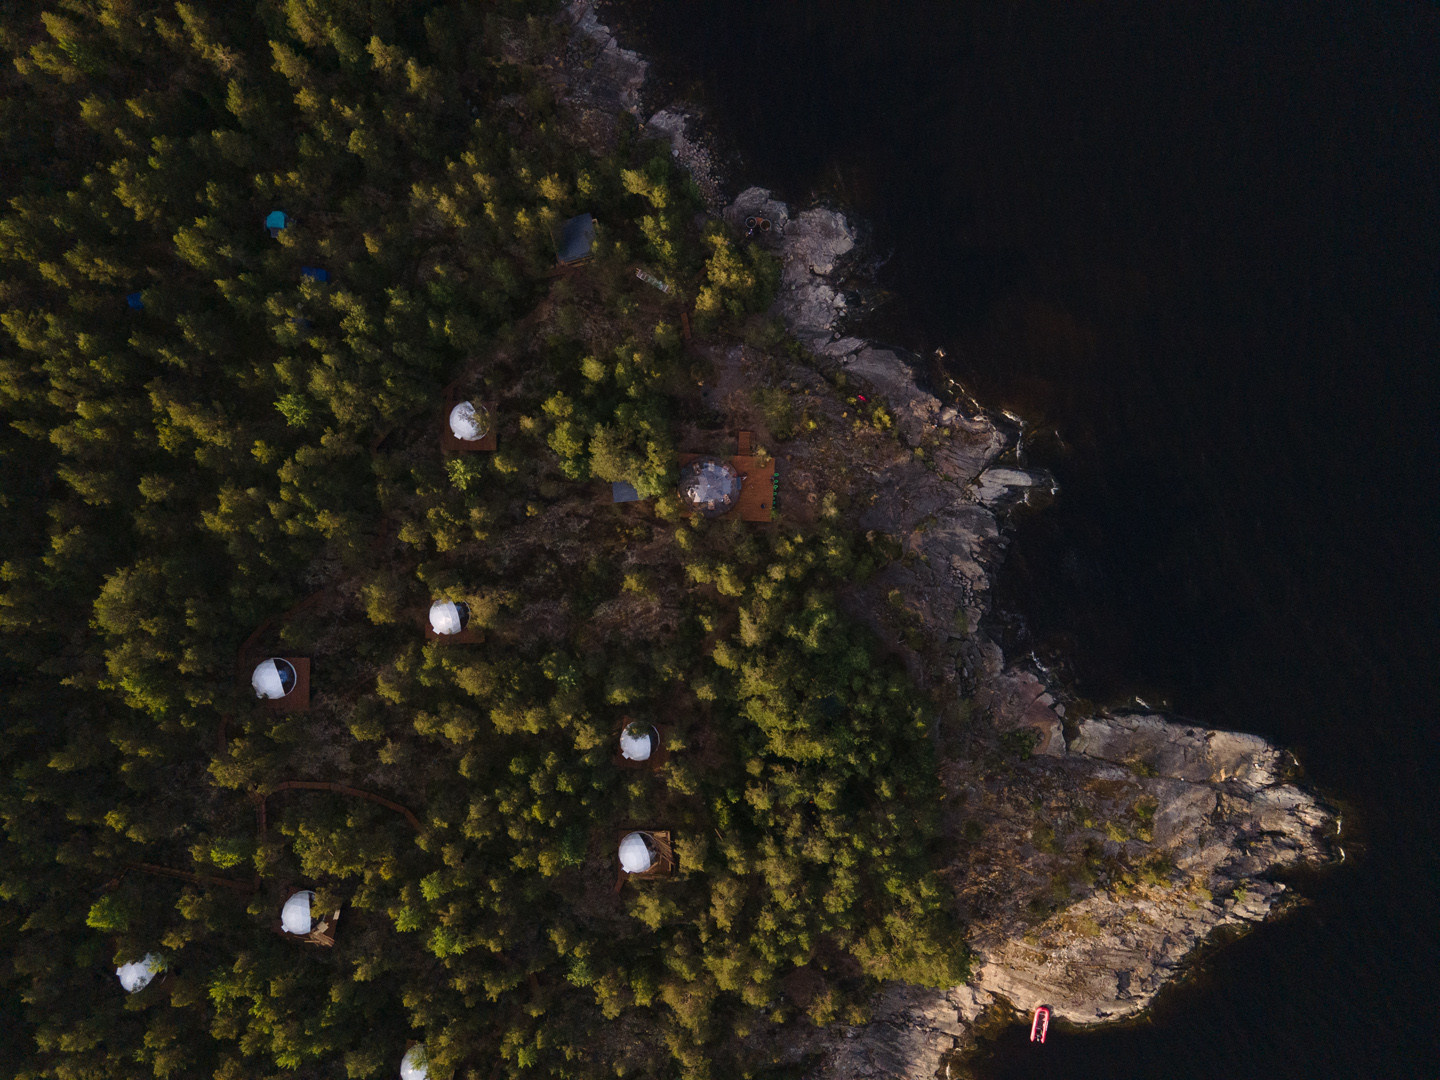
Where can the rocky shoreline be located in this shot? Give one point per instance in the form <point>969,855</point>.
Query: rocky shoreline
<point>1093,854</point>
<point>1158,833</point>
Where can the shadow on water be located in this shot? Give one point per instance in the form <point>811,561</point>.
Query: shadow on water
<point>1200,244</point>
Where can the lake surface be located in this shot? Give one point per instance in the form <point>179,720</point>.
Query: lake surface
<point>1197,245</point>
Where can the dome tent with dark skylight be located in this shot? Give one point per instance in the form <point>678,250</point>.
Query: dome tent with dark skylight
<point>449,616</point>
<point>449,622</point>
<point>137,975</point>
<point>710,486</point>
<point>273,678</point>
<point>283,683</point>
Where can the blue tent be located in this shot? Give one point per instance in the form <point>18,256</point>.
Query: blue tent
<point>577,237</point>
<point>275,221</point>
<point>135,301</point>
<point>314,273</point>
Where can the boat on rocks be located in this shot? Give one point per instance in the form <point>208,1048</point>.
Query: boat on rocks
<point>1040,1026</point>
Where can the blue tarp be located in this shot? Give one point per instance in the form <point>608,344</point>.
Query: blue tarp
<point>620,491</point>
<point>276,220</point>
<point>135,301</point>
<point>314,273</point>
<point>577,237</point>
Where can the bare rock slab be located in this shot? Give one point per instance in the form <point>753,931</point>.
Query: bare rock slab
<point>1222,820</point>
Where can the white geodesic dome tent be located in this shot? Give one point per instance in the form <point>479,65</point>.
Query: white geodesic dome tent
<point>295,917</point>
<point>637,742</point>
<point>469,422</point>
<point>137,976</point>
<point>635,854</point>
<point>273,678</point>
<point>449,616</point>
<point>414,1066</point>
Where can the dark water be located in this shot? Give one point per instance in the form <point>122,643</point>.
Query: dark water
<point>1200,244</point>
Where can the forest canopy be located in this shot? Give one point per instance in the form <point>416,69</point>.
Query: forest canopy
<point>220,444</point>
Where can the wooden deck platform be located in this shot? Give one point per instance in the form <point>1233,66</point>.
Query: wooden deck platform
<point>757,492</point>
<point>757,487</point>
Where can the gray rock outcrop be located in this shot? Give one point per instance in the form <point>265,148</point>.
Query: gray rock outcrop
<point>613,75</point>
<point>1210,818</point>
<point>810,247</point>
<point>672,124</point>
